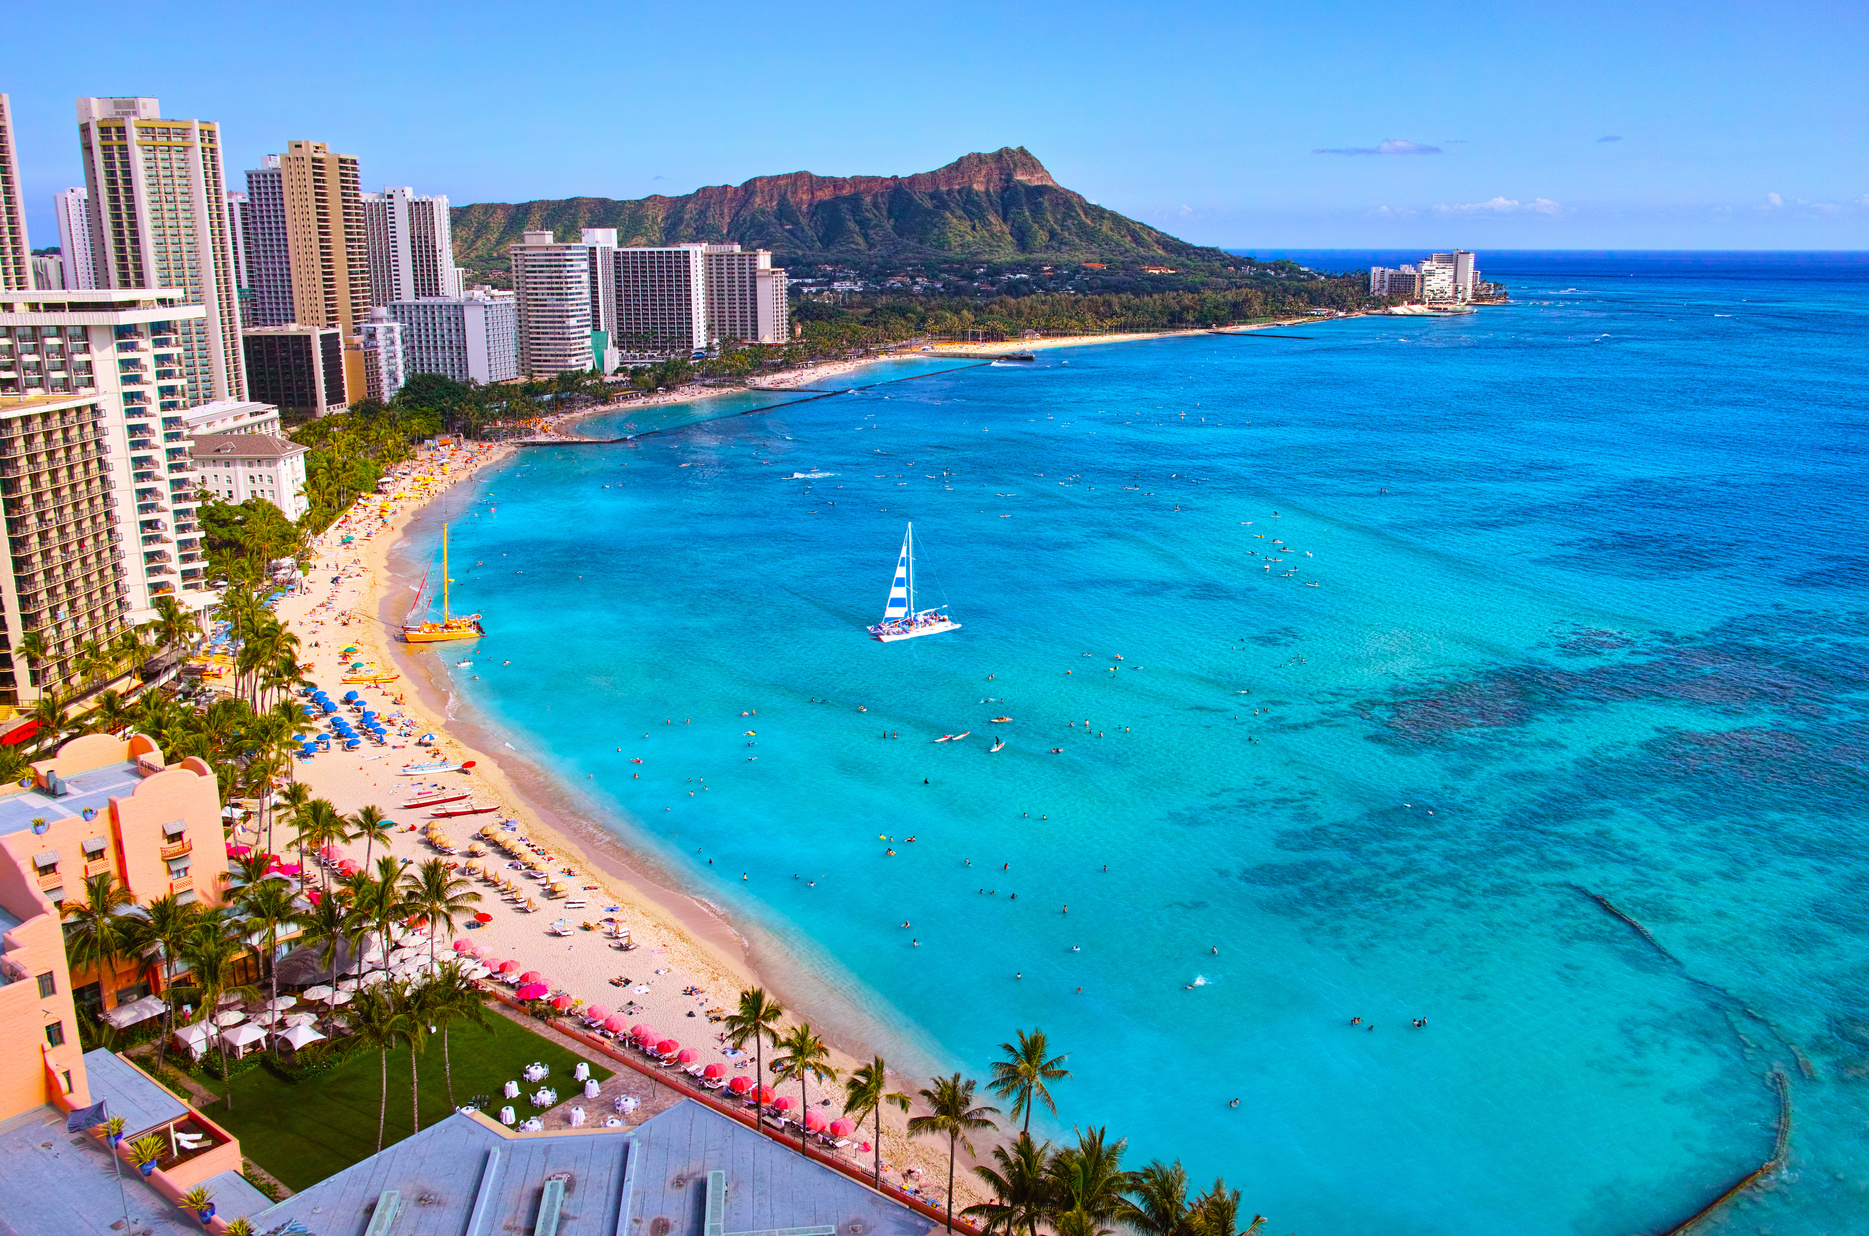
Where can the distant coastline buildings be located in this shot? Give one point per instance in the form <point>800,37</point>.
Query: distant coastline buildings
<point>594,303</point>
<point>1440,279</point>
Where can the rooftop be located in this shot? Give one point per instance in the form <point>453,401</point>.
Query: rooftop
<point>63,1182</point>
<point>687,1172</point>
<point>141,1102</point>
<point>232,446</point>
<point>93,788</point>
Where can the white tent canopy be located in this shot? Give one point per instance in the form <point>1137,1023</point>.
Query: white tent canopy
<point>298,1036</point>
<point>133,1012</point>
<point>243,1036</point>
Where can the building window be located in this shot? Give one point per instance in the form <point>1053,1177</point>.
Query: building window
<point>55,1034</point>
<point>48,984</point>
<point>67,1076</point>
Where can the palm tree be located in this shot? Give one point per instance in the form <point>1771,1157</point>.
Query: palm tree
<point>1021,1190</point>
<point>375,905</point>
<point>1088,1182</point>
<point>951,1112</point>
<point>439,894</point>
<point>1023,1074</point>
<point>1217,1213</point>
<point>1158,1200</point>
<point>161,933</point>
<point>93,663</point>
<point>804,1057</point>
<point>418,1005</point>
<point>50,714</point>
<point>213,952</point>
<point>376,1025</point>
<point>172,623</point>
<point>866,1093</point>
<point>110,714</point>
<point>34,648</point>
<point>319,825</point>
<point>267,906</point>
<point>756,1020</point>
<point>454,997</point>
<point>292,800</point>
<point>97,932</point>
<point>328,927</point>
<point>370,826</point>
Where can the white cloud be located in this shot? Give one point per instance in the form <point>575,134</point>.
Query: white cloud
<point>1388,146</point>
<point>1394,212</point>
<point>1772,202</point>
<point>1502,205</point>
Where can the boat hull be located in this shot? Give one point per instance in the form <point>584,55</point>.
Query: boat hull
<point>442,632</point>
<point>933,628</point>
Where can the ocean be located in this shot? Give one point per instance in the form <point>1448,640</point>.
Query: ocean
<point>1503,672</point>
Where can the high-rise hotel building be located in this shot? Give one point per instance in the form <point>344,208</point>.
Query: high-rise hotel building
<point>158,206</point>
<point>746,296</point>
<point>269,268</point>
<point>97,485</point>
<point>15,251</point>
<point>73,209</point>
<point>411,244</point>
<point>552,288</point>
<point>325,241</point>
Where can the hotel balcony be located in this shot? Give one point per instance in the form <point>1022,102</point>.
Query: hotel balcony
<point>183,885</point>
<point>98,867</point>
<point>167,852</point>
<point>50,879</point>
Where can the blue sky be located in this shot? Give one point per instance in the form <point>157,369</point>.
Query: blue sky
<point>1576,125</point>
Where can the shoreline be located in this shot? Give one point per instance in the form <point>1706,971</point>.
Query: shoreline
<point>687,941</point>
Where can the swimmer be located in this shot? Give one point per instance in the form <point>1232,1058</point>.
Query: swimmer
<point>1234,1103</point>
<point>1356,1021</point>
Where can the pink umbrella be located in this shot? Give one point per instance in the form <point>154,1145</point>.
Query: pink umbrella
<point>842,1128</point>
<point>533,991</point>
<point>291,869</point>
<point>561,1003</point>
<point>764,1094</point>
<point>238,851</point>
<point>687,1055</point>
<point>596,1012</point>
<point>507,967</point>
<point>715,1071</point>
<point>667,1047</point>
<point>463,946</point>
<point>814,1123</point>
<point>532,976</point>
<point>348,867</point>
<point>782,1104</point>
<point>640,1031</point>
<point>614,1024</point>
<point>331,852</point>
<point>739,1085</point>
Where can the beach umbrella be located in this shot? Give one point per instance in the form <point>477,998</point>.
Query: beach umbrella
<point>687,1055</point>
<point>640,1031</point>
<point>348,867</point>
<point>532,976</point>
<point>715,1071</point>
<point>561,1003</point>
<point>763,1094</point>
<point>615,1024</point>
<point>740,1085</point>
<point>782,1104</point>
<point>320,992</point>
<point>533,991</point>
<point>596,1012</point>
<point>667,1047</point>
<point>282,1003</point>
<point>231,1017</point>
<point>842,1128</point>
<point>814,1123</point>
<point>507,967</point>
<point>339,997</point>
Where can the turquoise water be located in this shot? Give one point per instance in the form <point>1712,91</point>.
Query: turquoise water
<point>1589,622</point>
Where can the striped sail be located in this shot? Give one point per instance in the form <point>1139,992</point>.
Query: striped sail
<point>898,606</point>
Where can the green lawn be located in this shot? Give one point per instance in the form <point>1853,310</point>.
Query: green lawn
<point>303,1133</point>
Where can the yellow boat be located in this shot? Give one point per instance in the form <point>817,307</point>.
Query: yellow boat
<point>450,627</point>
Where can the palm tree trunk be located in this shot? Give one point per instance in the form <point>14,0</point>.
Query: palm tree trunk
<point>415,1092</point>
<point>225,1084</point>
<point>447,1066</point>
<point>804,1110</point>
<point>878,1145</point>
<point>382,1107</point>
<point>1027,1127</point>
<point>950,1181</point>
<point>272,947</point>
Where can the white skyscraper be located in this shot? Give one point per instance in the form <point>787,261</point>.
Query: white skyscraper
<point>379,338</point>
<point>661,300</point>
<point>411,246</point>
<point>73,210</point>
<point>159,219</point>
<point>237,235</point>
<point>552,285</point>
<point>15,269</point>
<point>471,338</point>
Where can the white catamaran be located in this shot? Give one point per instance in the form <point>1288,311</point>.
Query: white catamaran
<point>901,620</point>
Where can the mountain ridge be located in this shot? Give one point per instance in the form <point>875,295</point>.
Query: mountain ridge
<point>1001,205</point>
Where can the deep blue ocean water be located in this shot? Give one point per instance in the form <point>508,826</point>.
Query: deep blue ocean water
<point>1589,623</point>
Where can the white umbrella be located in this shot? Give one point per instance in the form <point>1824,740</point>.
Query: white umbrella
<point>282,1003</point>
<point>340,997</point>
<point>231,1017</point>
<point>349,984</point>
<point>319,992</point>
<point>267,1019</point>
<point>301,1019</point>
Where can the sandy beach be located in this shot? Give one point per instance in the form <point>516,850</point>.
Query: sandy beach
<point>688,961</point>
